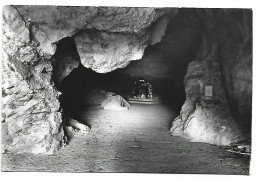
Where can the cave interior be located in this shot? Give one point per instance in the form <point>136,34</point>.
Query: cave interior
<point>66,69</point>
<point>164,65</point>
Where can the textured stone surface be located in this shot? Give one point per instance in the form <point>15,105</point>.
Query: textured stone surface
<point>108,38</point>
<point>73,128</point>
<point>31,114</point>
<point>14,26</point>
<point>104,52</point>
<point>205,119</point>
<point>115,102</point>
<point>210,120</point>
<point>30,105</point>
<point>49,24</point>
<point>43,40</point>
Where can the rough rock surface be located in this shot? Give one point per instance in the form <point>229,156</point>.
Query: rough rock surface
<point>14,26</point>
<point>210,120</point>
<point>50,24</point>
<point>115,102</point>
<point>104,52</point>
<point>31,107</point>
<point>73,128</point>
<point>112,19</point>
<point>205,119</point>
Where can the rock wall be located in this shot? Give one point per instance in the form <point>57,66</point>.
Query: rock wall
<point>31,106</point>
<point>218,63</point>
<point>108,38</point>
<point>236,60</point>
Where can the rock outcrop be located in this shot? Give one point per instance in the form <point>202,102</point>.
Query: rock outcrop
<point>31,106</point>
<point>73,128</point>
<point>108,38</point>
<point>105,52</point>
<point>226,67</point>
<point>73,18</point>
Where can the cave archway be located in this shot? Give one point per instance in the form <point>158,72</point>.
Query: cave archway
<point>164,65</point>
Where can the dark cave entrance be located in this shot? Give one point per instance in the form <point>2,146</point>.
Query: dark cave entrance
<point>164,65</point>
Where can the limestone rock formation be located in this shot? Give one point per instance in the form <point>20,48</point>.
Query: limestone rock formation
<point>108,38</point>
<point>115,102</point>
<point>112,19</point>
<point>49,24</point>
<point>14,26</point>
<point>205,119</point>
<point>211,120</point>
<point>31,106</point>
<point>104,52</point>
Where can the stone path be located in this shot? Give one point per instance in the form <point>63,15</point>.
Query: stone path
<point>137,140</point>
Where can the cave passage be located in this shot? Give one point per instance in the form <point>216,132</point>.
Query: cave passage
<point>138,139</point>
<point>164,65</point>
<point>141,137</point>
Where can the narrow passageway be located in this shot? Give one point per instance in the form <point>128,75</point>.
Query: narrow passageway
<point>137,140</point>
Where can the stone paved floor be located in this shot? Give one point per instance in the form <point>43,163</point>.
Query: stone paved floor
<point>137,140</point>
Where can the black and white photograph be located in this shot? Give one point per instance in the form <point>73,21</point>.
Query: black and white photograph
<point>126,89</point>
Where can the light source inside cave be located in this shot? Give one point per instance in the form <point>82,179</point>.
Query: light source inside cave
<point>142,90</point>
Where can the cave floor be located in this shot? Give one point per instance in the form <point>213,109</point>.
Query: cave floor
<point>137,140</point>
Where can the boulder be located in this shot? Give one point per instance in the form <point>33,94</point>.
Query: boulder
<point>73,18</point>
<point>73,128</point>
<point>115,102</point>
<point>104,52</point>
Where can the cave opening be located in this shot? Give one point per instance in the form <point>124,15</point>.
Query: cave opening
<point>164,65</point>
